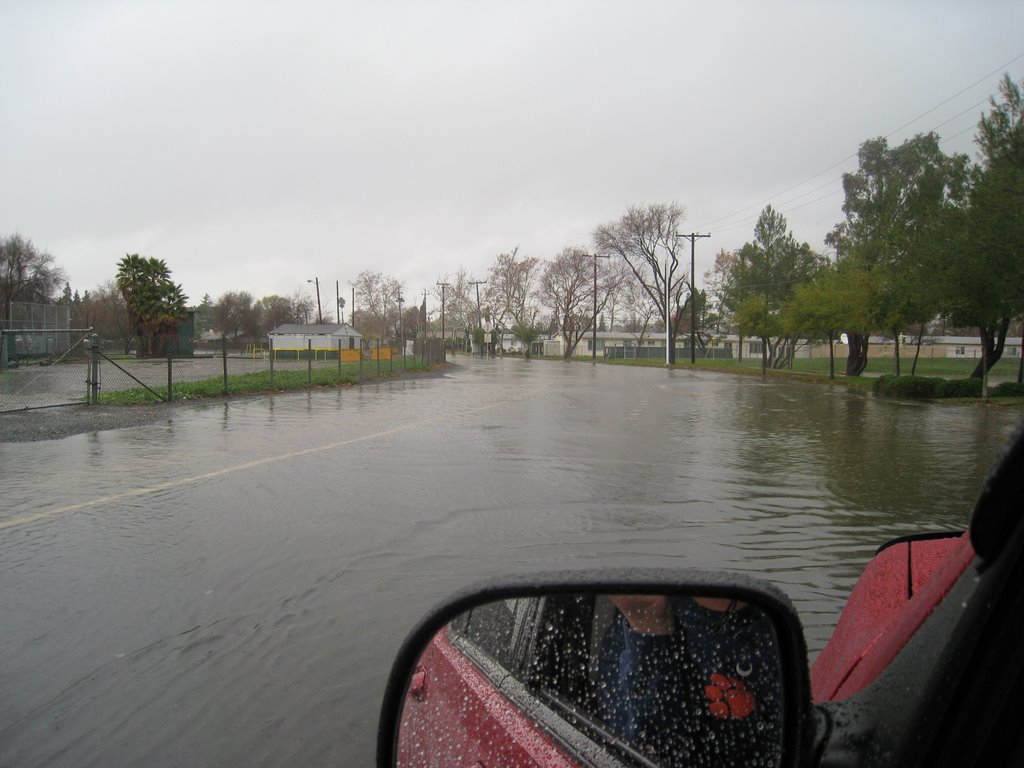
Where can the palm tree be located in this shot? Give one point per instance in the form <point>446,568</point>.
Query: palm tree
<point>156,304</point>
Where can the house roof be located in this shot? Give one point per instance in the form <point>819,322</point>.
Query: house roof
<point>316,329</point>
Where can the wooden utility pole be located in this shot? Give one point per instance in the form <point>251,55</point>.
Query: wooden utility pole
<point>593,330</point>
<point>442,286</point>
<point>479,319</point>
<point>692,237</point>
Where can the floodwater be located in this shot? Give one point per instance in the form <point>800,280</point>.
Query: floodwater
<point>228,586</point>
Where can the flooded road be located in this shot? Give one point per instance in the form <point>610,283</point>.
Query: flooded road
<point>228,586</point>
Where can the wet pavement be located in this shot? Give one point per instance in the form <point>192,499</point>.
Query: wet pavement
<point>227,585</point>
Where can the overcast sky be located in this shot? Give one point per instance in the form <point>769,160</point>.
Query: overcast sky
<point>254,145</point>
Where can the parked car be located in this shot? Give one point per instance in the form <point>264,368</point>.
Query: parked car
<point>923,668</point>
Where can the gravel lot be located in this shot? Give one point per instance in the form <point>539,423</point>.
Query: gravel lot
<point>55,423</point>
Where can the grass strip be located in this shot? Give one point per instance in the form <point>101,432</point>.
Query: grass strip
<point>251,383</point>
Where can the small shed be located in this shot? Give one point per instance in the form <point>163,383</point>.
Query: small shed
<point>293,340</point>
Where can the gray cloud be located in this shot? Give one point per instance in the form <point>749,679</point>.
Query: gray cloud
<point>255,144</point>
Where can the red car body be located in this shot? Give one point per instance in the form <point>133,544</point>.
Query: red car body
<point>456,715</point>
<point>894,595</point>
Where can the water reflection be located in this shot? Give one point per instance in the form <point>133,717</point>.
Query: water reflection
<point>289,542</point>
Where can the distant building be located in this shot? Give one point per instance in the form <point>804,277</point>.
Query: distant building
<point>322,338</point>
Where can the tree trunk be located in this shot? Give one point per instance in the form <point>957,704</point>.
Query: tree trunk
<point>984,375</point>
<point>857,356</point>
<point>992,342</point>
<point>740,358</point>
<point>764,354</point>
<point>896,351</point>
<point>831,356</point>
<point>917,352</point>
<point>1020,366</point>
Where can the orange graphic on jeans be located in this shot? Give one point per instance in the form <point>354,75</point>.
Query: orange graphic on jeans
<point>728,697</point>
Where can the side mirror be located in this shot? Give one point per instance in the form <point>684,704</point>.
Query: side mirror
<point>595,668</point>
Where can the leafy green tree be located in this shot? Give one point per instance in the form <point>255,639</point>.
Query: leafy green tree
<point>984,274</point>
<point>763,278</point>
<point>527,334</point>
<point>894,207</point>
<point>820,309</point>
<point>155,303</point>
<point>204,314</point>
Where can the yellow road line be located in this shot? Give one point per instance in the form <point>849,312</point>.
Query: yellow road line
<point>182,481</point>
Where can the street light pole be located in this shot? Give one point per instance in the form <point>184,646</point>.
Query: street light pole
<point>319,312</point>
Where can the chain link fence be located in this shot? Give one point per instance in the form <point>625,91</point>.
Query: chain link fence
<point>41,368</point>
<point>50,368</point>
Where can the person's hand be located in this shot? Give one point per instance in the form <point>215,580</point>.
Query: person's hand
<point>649,614</point>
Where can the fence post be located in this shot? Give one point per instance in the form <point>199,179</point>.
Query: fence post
<point>94,368</point>
<point>309,363</point>
<point>170,383</point>
<point>224,359</point>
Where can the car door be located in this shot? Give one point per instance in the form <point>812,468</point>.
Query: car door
<point>466,705</point>
<point>941,685</point>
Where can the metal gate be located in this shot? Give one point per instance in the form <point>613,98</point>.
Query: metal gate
<point>44,368</point>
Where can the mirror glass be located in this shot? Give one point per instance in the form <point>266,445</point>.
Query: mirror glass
<point>598,679</point>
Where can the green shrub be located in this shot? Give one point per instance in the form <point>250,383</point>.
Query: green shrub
<point>1008,389</point>
<point>917,387</point>
<point>959,388</point>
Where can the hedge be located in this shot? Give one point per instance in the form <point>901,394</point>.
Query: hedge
<point>1008,389</point>
<point>920,387</point>
<point>927,387</point>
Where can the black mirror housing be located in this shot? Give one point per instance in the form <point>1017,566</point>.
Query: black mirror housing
<point>797,714</point>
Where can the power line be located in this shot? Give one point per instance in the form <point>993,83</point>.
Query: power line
<point>758,205</point>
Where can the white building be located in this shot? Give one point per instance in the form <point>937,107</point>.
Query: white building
<point>322,338</point>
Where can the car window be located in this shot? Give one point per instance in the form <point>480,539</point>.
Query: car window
<point>492,628</point>
<point>706,693</point>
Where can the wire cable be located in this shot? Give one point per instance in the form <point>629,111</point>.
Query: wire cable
<point>713,224</point>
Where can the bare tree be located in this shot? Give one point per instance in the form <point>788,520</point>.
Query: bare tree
<point>235,314</point>
<point>645,239</point>
<point>510,289</point>
<point>459,303</point>
<point>302,308</point>
<point>567,289</point>
<point>26,274</point>
<point>377,298</point>
<point>639,311</point>
<point>106,313</point>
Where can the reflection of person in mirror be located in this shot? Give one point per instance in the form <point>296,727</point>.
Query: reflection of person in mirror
<point>692,681</point>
